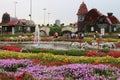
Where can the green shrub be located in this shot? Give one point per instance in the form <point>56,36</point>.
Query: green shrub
<point>59,52</point>
<point>75,52</point>
<point>55,29</point>
<point>56,52</point>
<point>35,50</point>
<point>104,50</point>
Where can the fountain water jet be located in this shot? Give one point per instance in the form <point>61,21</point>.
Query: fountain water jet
<point>37,35</point>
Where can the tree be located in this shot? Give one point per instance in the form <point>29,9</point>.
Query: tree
<point>55,29</point>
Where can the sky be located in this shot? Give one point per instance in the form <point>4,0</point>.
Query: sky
<point>63,10</point>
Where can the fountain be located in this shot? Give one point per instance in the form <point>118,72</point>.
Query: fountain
<point>49,45</point>
<point>37,35</point>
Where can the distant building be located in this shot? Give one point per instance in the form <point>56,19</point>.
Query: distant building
<point>57,22</point>
<point>93,20</point>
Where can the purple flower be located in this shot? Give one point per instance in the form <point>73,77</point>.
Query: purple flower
<point>71,71</point>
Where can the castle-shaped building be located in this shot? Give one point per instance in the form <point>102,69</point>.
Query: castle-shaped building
<point>93,20</point>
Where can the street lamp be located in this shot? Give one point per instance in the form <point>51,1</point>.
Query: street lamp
<point>15,2</point>
<point>30,10</point>
<point>48,17</point>
<point>44,14</point>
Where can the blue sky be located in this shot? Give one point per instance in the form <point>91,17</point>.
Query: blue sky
<point>64,10</point>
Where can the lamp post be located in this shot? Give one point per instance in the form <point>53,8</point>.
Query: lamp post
<point>30,10</point>
<point>15,2</point>
<point>44,14</point>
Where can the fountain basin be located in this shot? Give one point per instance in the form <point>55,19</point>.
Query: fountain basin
<point>51,45</point>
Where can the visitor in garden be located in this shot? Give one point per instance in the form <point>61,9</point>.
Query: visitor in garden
<point>55,35</point>
<point>82,36</point>
<point>79,36</point>
<point>72,35</point>
<point>76,36</point>
<point>68,36</point>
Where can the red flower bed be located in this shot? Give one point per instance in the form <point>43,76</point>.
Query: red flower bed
<point>91,54</point>
<point>49,63</point>
<point>12,48</point>
<point>115,54</point>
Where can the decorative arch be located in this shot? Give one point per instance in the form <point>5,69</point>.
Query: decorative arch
<point>43,33</point>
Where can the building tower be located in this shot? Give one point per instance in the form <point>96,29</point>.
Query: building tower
<point>82,11</point>
<point>57,22</point>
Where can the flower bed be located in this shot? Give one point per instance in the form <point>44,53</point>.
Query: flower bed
<point>11,65</point>
<point>114,54</point>
<point>71,71</point>
<point>12,48</point>
<point>63,59</point>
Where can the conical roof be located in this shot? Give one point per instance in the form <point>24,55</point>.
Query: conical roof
<point>82,9</point>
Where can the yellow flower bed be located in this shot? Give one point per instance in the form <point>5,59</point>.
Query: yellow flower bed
<point>118,40</point>
<point>110,39</point>
<point>103,39</point>
<point>88,39</point>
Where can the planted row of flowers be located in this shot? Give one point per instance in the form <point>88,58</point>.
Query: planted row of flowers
<point>70,72</point>
<point>115,54</point>
<point>12,48</point>
<point>58,58</point>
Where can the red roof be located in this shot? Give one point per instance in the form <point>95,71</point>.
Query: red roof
<point>12,21</point>
<point>92,16</point>
<point>82,9</point>
<point>113,19</point>
<point>108,19</point>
